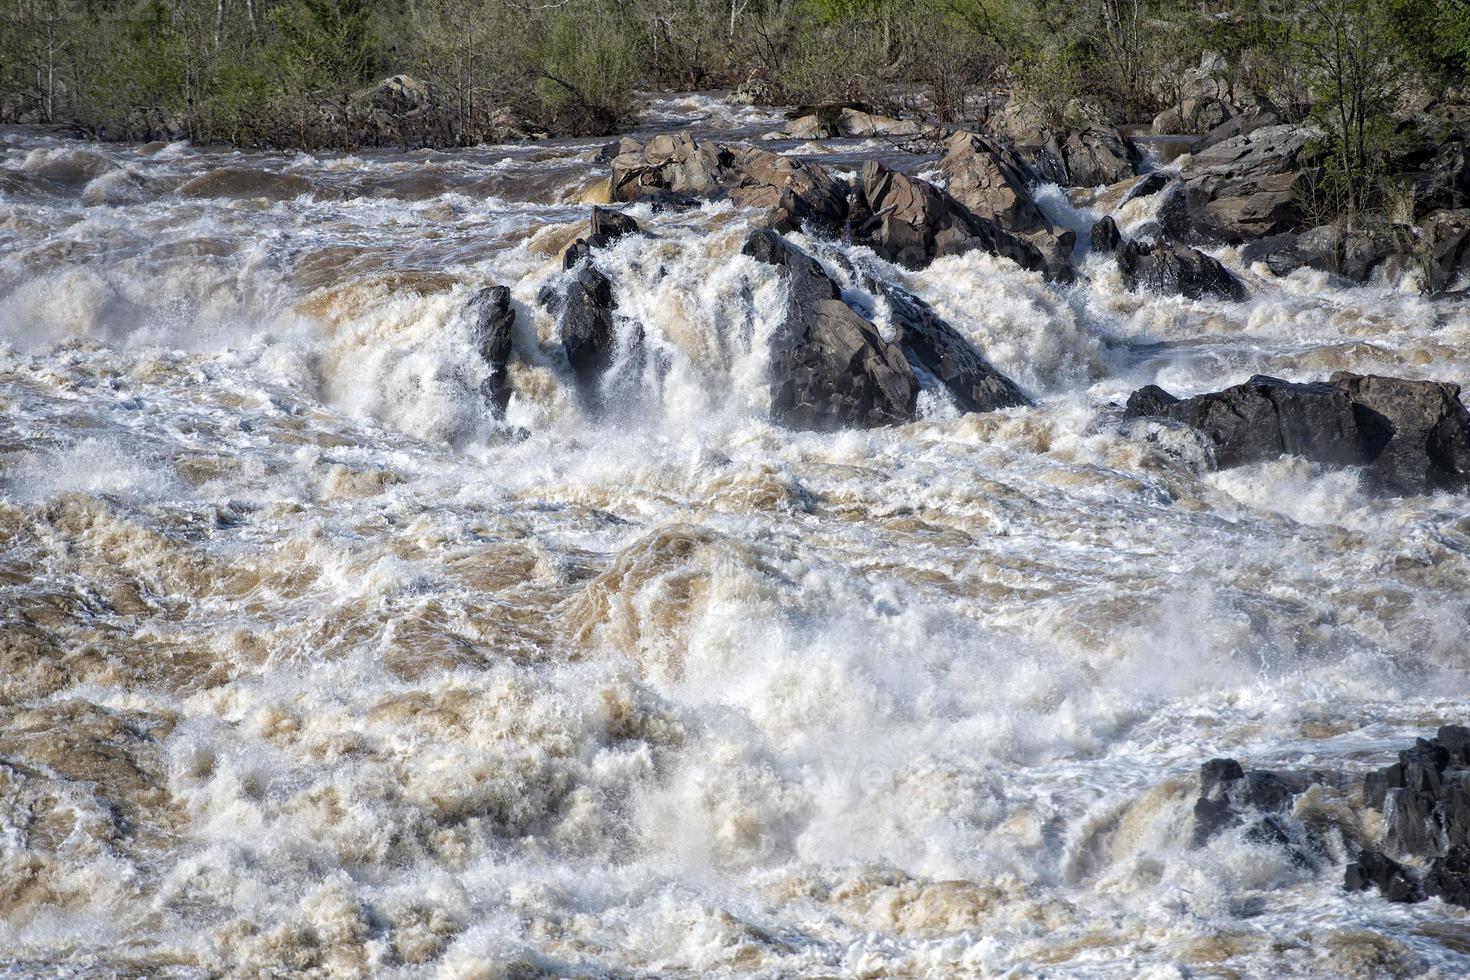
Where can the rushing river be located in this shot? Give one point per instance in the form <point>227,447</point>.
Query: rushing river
<point>310,666</point>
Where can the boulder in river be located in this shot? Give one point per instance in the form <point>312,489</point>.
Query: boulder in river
<point>1106,238</point>
<point>1246,187</point>
<point>1355,254</point>
<point>792,191</point>
<point>1082,150</point>
<point>912,222</point>
<point>1171,268</point>
<point>990,180</point>
<point>830,368</point>
<point>608,226</point>
<point>583,307</point>
<point>1413,436</point>
<point>936,346</point>
<point>493,319</point>
<point>1445,239</point>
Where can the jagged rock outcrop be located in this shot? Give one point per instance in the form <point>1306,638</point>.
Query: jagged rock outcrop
<point>583,307</point>
<point>1147,186</point>
<point>792,192</point>
<point>492,319</point>
<point>1232,796</point>
<point>1425,802</point>
<point>912,222</point>
<point>1174,269</point>
<point>1413,436</point>
<point>1445,243</point>
<point>1106,238</point>
<point>850,119</point>
<point>1256,113</point>
<point>936,346</point>
<point>990,180</point>
<point>830,368</point>
<point>1355,254</point>
<point>1195,115</point>
<point>1083,151</point>
<point>1245,187</point>
<point>608,226</point>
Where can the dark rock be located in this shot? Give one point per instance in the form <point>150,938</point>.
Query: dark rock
<point>1410,824</point>
<point>792,192</point>
<point>1263,419</point>
<point>939,349</point>
<point>1375,870</point>
<point>1083,149</point>
<point>1177,269</point>
<point>1446,248</point>
<point>493,320</point>
<point>1147,186</point>
<point>1106,238</point>
<point>990,180</point>
<point>1448,877</point>
<point>831,368</point>
<point>1218,775</point>
<point>1416,432</point>
<point>1456,742</point>
<point>1248,186</point>
<point>1443,182</point>
<point>583,308</point>
<point>1212,816</point>
<point>912,222</point>
<point>1353,254</point>
<point>609,225</point>
<point>1258,114</point>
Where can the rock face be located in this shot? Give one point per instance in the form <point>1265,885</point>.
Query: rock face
<point>583,308</point>
<point>1414,436</point>
<point>1195,115</point>
<point>939,348</point>
<point>493,319</point>
<point>1356,254</point>
<point>1106,238</point>
<point>990,180</point>
<point>1416,432</point>
<point>1425,802</point>
<point>1244,187</point>
<point>1084,152</point>
<point>609,225</point>
<point>1446,244</point>
<point>1176,269</point>
<point>1256,113</point>
<point>851,119</point>
<point>830,368</point>
<point>793,193</point>
<point>1232,796</point>
<point>912,222</point>
<point>1262,419</point>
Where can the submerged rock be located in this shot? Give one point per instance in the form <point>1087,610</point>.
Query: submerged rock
<point>912,222</point>
<point>1355,254</point>
<point>830,368</point>
<point>1176,269</point>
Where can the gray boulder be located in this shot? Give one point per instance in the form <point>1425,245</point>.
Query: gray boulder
<point>1246,187</point>
<point>1167,267</point>
<point>1262,420</point>
<point>1195,115</point>
<point>792,192</point>
<point>991,181</point>
<point>1412,436</point>
<point>912,222</point>
<point>1417,433</point>
<point>583,307</point>
<point>937,347</point>
<point>830,368</point>
<point>1446,243</point>
<point>1354,254</point>
<point>1082,150</point>
<point>493,318</point>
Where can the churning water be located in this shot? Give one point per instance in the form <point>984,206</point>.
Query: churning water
<point>310,666</point>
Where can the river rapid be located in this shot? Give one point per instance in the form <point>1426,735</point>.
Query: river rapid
<point>311,666</point>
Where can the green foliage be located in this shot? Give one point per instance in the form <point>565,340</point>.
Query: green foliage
<point>326,43</point>
<point>587,64</point>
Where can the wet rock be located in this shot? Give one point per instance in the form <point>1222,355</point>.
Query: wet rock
<point>1354,254</point>
<point>1080,149</point>
<point>1246,187</point>
<point>1231,795</point>
<point>830,368</point>
<point>1263,419</point>
<point>608,226</point>
<point>793,192</point>
<point>1178,270</point>
<point>850,119</point>
<point>1442,183</point>
<point>1147,186</point>
<point>1256,113</point>
<point>937,347</point>
<point>1417,433</point>
<point>1194,115</point>
<point>583,307</point>
<point>1448,878</point>
<point>912,222</point>
<point>990,180</point>
<point>493,319</point>
<point>1446,249</point>
<point>1373,869</point>
<point>859,123</point>
<point>1106,238</point>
